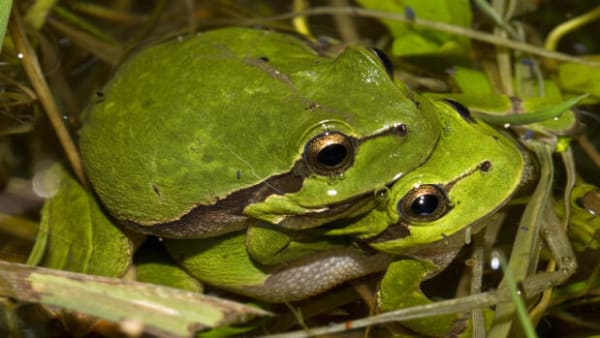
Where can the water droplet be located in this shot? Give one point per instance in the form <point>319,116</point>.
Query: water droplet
<point>495,260</point>
<point>132,327</point>
<point>446,239</point>
<point>46,180</point>
<point>20,56</point>
<point>332,192</point>
<point>381,198</point>
<point>495,263</point>
<point>335,179</point>
<point>381,194</point>
<point>468,235</point>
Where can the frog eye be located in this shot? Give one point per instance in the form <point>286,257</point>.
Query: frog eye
<point>590,202</point>
<point>329,153</point>
<point>463,111</point>
<point>424,203</point>
<point>385,60</point>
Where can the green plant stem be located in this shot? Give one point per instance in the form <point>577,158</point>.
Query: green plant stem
<point>561,30</point>
<point>38,81</point>
<point>441,26</point>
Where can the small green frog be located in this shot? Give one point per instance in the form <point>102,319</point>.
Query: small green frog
<point>278,172</point>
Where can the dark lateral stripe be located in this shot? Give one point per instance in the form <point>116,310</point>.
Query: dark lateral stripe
<point>226,215</point>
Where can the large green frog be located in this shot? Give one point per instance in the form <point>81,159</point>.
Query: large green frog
<point>195,136</point>
<point>277,171</point>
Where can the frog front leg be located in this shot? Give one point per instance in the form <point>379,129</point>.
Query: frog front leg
<point>400,288</point>
<point>225,262</point>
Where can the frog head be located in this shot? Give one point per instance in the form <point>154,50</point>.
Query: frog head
<point>471,173</point>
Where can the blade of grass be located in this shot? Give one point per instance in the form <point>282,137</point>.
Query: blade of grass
<point>525,245</point>
<point>37,13</point>
<point>110,53</point>
<point>84,25</point>
<point>4,14</point>
<point>516,297</point>
<point>533,117</point>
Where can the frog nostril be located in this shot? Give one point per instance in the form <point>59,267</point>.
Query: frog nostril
<point>485,166</point>
<point>400,129</point>
<point>424,203</point>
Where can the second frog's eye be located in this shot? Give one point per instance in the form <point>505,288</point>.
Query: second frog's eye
<point>385,60</point>
<point>424,203</point>
<point>329,153</point>
<point>463,111</point>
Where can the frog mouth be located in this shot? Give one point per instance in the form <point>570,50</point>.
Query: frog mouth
<point>208,221</point>
<point>348,208</point>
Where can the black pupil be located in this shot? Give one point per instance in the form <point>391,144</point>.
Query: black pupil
<point>332,155</point>
<point>425,205</point>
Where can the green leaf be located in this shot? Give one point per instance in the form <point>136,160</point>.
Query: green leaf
<point>478,96</point>
<point>76,235</point>
<point>411,40</point>
<point>471,81</point>
<point>533,117</point>
<point>37,13</point>
<point>157,310</point>
<point>580,78</point>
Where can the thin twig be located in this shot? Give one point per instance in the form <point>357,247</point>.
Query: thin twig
<point>589,149</point>
<point>34,72</point>
<point>440,26</point>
